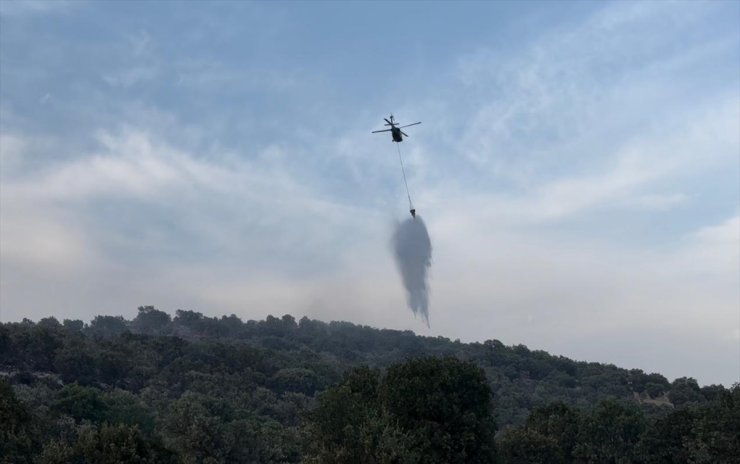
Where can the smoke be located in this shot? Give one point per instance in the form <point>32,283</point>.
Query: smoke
<point>413,251</point>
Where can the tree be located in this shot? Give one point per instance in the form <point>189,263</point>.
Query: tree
<point>716,438</point>
<point>81,403</point>
<point>107,326</point>
<point>16,439</point>
<point>113,444</point>
<point>560,424</point>
<point>125,408</point>
<point>50,323</point>
<point>75,325</point>
<point>664,442</point>
<point>522,445</point>
<point>445,404</point>
<point>106,444</point>
<point>609,434</point>
<point>296,379</point>
<point>219,390</point>
<point>151,321</point>
<point>194,431</point>
<point>344,426</point>
<point>685,390</point>
<point>426,410</point>
<point>713,392</point>
<point>75,364</point>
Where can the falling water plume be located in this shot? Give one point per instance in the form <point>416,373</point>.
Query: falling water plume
<point>413,251</point>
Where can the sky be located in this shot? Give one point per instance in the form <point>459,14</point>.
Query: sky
<point>577,168</point>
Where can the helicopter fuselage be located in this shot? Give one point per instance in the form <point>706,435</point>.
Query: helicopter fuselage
<point>395,129</point>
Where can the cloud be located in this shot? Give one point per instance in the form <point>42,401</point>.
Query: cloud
<point>140,202</point>
<point>562,293</point>
<point>213,76</point>
<point>633,177</point>
<point>574,145</point>
<point>34,7</point>
<point>132,163</point>
<point>714,250</point>
<point>11,149</point>
<point>573,95</point>
<point>131,76</point>
<point>576,179</point>
<point>41,238</point>
<point>660,202</point>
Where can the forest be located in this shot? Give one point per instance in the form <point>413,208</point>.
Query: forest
<point>198,389</point>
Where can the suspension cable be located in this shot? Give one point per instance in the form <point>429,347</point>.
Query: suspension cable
<point>403,171</point>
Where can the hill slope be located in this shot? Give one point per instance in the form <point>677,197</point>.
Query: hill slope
<point>252,381</point>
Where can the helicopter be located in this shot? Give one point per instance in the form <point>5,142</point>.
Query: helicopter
<point>396,132</point>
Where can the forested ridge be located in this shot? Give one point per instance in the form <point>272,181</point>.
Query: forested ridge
<point>195,389</point>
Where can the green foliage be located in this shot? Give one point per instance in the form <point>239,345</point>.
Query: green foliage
<point>717,430</point>
<point>610,433</point>
<point>199,389</point>
<point>559,423</point>
<point>550,435</point>
<point>107,326</point>
<point>106,444</point>
<point>151,321</point>
<point>344,428</point>
<point>57,452</point>
<point>111,444</point>
<point>445,406</point>
<point>73,325</point>
<point>300,380</point>
<point>49,323</point>
<point>75,364</point>
<point>666,441</point>
<point>81,403</point>
<point>425,410</point>
<point>16,440</point>
<point>206,429</point>
<point>685,390</point>
<point>126,408</point>
<point>520,445</point>
<point>195,425</point>
<point>654,389</point>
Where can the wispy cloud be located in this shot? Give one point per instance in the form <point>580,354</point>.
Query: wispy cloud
<point>577,179</point>
<point>34,7</point>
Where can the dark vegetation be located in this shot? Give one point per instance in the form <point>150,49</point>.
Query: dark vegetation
<point>193,389</point>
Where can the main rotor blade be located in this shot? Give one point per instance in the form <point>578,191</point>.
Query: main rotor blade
<point>407,125</point>
<point>384,130</point>
<point>404,133</point>
<point>388,121</point>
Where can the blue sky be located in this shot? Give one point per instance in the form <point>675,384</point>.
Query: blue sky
<point>577,166</point>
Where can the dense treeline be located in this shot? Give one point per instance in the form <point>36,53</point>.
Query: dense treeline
<point>426,410</point>
<point>198,389</point>
<point>432,410</point>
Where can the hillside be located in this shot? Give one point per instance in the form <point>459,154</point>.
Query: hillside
<point>157,372</point>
